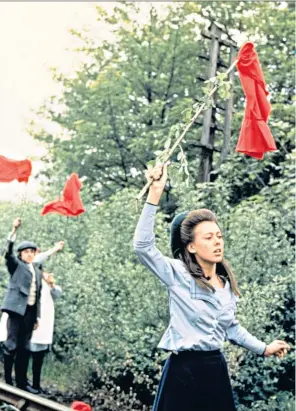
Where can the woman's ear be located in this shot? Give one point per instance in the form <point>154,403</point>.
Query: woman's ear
<point>190,248</point>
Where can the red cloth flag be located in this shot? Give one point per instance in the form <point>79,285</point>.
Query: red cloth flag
<point>80,406</point>
<point>10,170</point>
<point>255,137</point>
<point>70,205</point>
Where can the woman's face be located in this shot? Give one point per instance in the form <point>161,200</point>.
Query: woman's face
<point>208,244</point>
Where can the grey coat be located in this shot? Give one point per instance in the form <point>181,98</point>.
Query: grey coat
<point>16,298</point>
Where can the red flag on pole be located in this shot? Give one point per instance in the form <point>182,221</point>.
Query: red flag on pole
<point>255,137</point>
<point>10,170</point>
<point>71,204</point>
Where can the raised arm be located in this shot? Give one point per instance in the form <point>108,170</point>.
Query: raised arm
<point>10,259</point>
<point>42,257</point>
<point>144,240</point>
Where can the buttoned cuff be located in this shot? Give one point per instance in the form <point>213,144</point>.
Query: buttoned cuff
<point>265,345</point>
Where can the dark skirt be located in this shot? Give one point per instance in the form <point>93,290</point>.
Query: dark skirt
<point>195,381</point>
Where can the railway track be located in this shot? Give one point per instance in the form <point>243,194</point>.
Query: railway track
<point>24,401</point>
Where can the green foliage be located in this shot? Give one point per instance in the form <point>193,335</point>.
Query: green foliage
<point>283,401</point>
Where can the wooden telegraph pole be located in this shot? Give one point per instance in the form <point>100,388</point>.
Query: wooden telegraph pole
<point>210,123</point>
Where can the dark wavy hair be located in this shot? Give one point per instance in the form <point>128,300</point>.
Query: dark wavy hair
<point>187,227</point>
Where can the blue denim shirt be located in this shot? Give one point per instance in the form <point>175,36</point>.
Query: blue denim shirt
<point>199,318</point>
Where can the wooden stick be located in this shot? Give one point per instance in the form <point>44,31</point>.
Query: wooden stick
<point>181,137</point>
<point>66,227</point>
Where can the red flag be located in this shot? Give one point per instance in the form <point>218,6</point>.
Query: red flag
<point>80,406</point>
<point>255,137</point>
<point>14,170</point>
<point>70,204</point>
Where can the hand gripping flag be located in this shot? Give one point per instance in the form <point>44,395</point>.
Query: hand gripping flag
<point>70,205</point>
<point>10,170</point>
<point>255,137</point>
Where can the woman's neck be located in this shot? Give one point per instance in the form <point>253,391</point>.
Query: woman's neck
<point>209,269</point>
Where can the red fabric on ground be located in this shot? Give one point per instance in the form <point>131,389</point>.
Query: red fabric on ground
<point>255,137</point>
<point>71,204</point>
<point>80,406</point>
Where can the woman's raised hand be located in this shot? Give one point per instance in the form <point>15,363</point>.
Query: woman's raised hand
<point>159,175</point>
<point>278,348</point>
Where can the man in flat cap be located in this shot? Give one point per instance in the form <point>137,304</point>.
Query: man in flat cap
<point>22,304</point>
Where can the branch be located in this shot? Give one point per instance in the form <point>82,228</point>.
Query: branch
<point>168,153</point>
<point>116,181</point>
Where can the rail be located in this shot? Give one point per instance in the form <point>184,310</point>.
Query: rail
<point>24,401</point>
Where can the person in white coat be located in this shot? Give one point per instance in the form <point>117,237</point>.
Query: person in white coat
<point>42,337</point>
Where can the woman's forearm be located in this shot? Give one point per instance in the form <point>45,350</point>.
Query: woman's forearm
<point>154,196</point>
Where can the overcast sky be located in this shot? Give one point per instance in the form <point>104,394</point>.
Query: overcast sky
<point>34,37</point>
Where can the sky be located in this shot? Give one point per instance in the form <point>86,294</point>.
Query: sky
<point>34,37</point>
